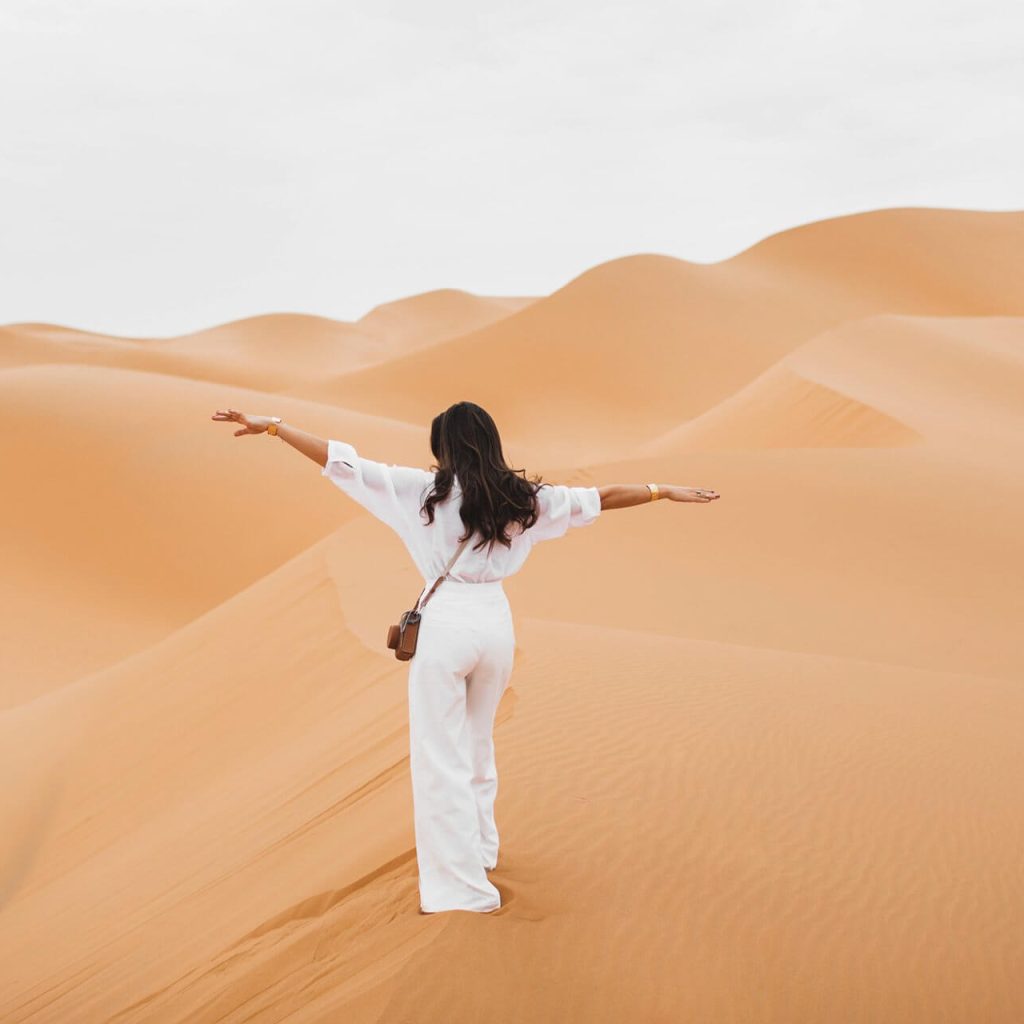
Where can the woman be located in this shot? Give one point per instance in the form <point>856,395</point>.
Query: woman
<point>466,641</point>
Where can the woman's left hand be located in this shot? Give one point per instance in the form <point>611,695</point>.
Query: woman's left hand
<point>250,424</point>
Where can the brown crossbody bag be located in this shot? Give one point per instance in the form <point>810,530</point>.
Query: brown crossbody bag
<point>402,638</point>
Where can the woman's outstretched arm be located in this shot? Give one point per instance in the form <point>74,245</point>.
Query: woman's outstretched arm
<point>309,444</point>
<point>624,495</point>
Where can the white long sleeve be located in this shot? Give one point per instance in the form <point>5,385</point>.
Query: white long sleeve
<point>562,507</point>
<point>390,492</point>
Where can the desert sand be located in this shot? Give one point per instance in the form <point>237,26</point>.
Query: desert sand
<point>760,759</point>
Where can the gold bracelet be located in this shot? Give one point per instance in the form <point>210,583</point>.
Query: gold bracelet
<point>272,426</point>
<point>654,492</point>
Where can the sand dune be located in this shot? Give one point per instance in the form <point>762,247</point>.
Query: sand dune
<point>880,382</point>
<point>781,409</point>
<point>125,522</point>
<point>800,804</point>
<point>275,352</point>
<point>673,339</point>
<point>759,758</point>
<point>435,316</point>
<point>266,352</point>
<point>125,423</point>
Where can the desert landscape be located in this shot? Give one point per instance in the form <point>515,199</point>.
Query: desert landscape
<point>760,760</point>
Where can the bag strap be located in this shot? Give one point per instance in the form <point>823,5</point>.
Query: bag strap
<point>447,569</point>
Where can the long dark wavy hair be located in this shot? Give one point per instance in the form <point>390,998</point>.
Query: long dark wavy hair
<point>466,444</point>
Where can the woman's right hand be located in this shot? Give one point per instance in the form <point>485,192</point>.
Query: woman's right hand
<point>250,424</point>
<point>692,494</point>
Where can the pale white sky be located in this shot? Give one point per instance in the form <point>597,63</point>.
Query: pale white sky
<point>166,165</point>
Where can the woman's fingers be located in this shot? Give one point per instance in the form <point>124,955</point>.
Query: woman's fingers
<point>229,414</point>
<point>236,417</point>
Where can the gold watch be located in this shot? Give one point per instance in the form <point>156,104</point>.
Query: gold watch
<point>654,492</point>
<point>272,427</point>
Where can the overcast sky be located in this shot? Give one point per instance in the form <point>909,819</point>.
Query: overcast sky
<point>172,164</point>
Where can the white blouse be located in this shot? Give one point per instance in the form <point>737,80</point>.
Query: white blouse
<point>394,494</point>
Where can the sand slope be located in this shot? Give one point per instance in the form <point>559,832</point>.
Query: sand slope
<point>759,759</point>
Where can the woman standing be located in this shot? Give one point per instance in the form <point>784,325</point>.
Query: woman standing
<point>466,642</point>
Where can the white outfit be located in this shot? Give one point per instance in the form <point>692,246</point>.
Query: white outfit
<point>462,664</point>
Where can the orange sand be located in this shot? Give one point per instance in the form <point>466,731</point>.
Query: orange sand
<point>760,760</point>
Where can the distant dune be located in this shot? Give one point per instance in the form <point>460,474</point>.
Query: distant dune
<point>883,381</point>
<point>274,352</point>
<point>675,338</point>
<point>759,760</point>
<point>435,316</point>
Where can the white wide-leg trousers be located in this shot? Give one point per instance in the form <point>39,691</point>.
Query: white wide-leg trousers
<point>461,667</point>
